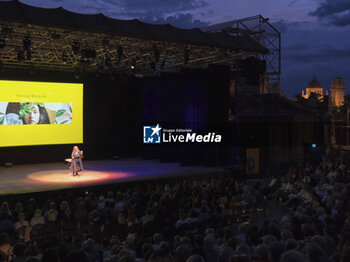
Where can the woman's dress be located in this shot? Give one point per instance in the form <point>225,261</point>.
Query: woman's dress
<point>77,164</point>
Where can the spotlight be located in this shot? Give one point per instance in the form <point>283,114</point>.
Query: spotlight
<point>55,36</point>
<point>314,145</point>
<point>105,41</point>
<point>2,42</point>
<point>64,56</point>
<point>153,66</point>
<point>119,55</point>
<point>29,54</point>
<point>108,61</point>
<point>156,54</point>
<point>88,53</point>
<point>162,65</point>
<point>186,55</point>
<point>27,43</point>
<point>76,47</point>
<point>133,64</point>
<point>20,54</point>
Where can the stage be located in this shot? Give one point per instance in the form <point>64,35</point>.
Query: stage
<point>55,176</point>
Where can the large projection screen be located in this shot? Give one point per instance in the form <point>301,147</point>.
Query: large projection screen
<point>40,113</point>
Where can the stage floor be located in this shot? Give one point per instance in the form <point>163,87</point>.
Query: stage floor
<point>54,176</point>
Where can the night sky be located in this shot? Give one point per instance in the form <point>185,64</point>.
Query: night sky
<point>315,33</point>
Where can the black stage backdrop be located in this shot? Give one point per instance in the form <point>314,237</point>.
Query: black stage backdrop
<point>193,99</point>
<point>117,106</point>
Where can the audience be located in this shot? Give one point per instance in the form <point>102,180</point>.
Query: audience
<point>300,216</point>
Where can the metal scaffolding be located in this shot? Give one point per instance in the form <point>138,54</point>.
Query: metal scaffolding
<point>259,29</point>
<point>70,49</point>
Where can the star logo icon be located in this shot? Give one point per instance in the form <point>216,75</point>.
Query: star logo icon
<point>152,134</point>
<point>156,130</point>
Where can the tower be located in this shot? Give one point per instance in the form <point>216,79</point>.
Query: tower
<point>337,92</point>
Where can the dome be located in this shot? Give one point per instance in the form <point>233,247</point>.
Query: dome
<point>314,83</point>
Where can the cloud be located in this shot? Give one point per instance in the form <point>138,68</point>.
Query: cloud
<point>292,3</point>
<point>312,49</point>
<point>303,53</point>
<point>182,21</point>
<point>284,26</point>
<point>331,7</point>
<point>156,8</point>
<point>333,12</point>
<point>342,20</point>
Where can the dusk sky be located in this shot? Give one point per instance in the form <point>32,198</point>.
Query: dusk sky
<point>315,33</point>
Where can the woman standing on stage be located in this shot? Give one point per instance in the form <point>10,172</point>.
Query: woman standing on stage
<point>76,165</point>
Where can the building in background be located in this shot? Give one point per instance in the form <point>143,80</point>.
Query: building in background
<point>333,111</point>
<point>337,92</point>
<point>314,88</point>
<point>314,93</point>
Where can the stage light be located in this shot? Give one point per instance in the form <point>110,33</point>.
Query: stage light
<point>156,54</point>
<point>27,43</point>
<point>20,54</point>
<point>153,66</point>
<point>29,54</point>
<point>64,56</point>
<point>108,61</point>
<point>76,47</point>
<point>77,72</point>
<point>314,145</point>
<point>105,41</point>
<point>162,65</point>
<point>2,42</point>
<point>55,36</point>
<point>119,55</point>
<point>133,64</point>
<point>186,55</point>
<point>88,53</point>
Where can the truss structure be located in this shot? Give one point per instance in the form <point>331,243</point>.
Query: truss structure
<point>38,46</point>
<point>259,29</point>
